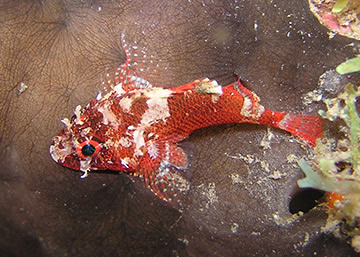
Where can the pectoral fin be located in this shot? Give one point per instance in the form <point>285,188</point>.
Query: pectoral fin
<point>161,174</point>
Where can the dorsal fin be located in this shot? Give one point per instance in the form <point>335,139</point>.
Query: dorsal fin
<point>130,75</point>
<point>202,86</point>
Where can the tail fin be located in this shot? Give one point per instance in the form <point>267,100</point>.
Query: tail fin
<point>306,126</point>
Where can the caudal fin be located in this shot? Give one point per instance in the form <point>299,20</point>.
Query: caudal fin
<point>306,126</point>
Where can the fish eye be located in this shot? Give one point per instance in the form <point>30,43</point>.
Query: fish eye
<point>88,148</point>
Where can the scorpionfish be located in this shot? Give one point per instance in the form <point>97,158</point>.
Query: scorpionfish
<point>135,127</point>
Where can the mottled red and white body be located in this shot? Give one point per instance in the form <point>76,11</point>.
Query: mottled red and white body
<point>134,128</point>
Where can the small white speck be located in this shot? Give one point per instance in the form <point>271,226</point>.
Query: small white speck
<point>331,35</point>
<point>236,179</point>
<point>23,87</point>
<point>234,227</point>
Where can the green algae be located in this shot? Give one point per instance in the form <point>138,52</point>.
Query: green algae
<point>349,66</point>
<point>339,6</point>
<point>325,183</point>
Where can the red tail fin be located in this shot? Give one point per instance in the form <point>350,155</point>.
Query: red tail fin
<point>307,127</point>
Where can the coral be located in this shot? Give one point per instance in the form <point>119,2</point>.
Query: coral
<point>336,168</point>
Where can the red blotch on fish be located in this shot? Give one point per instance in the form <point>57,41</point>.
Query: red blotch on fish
<point>135,128</point>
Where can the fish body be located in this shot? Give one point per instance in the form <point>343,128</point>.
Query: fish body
<point>135,127</point>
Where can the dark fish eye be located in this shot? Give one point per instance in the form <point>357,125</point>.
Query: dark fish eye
<point>88,150</point>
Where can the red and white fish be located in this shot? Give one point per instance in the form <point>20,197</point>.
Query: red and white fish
<point>135,127</point>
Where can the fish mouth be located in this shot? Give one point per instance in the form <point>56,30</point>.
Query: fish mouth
<point>61,151</point>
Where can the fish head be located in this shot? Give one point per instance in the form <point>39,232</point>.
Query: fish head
<point>91,140</point>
